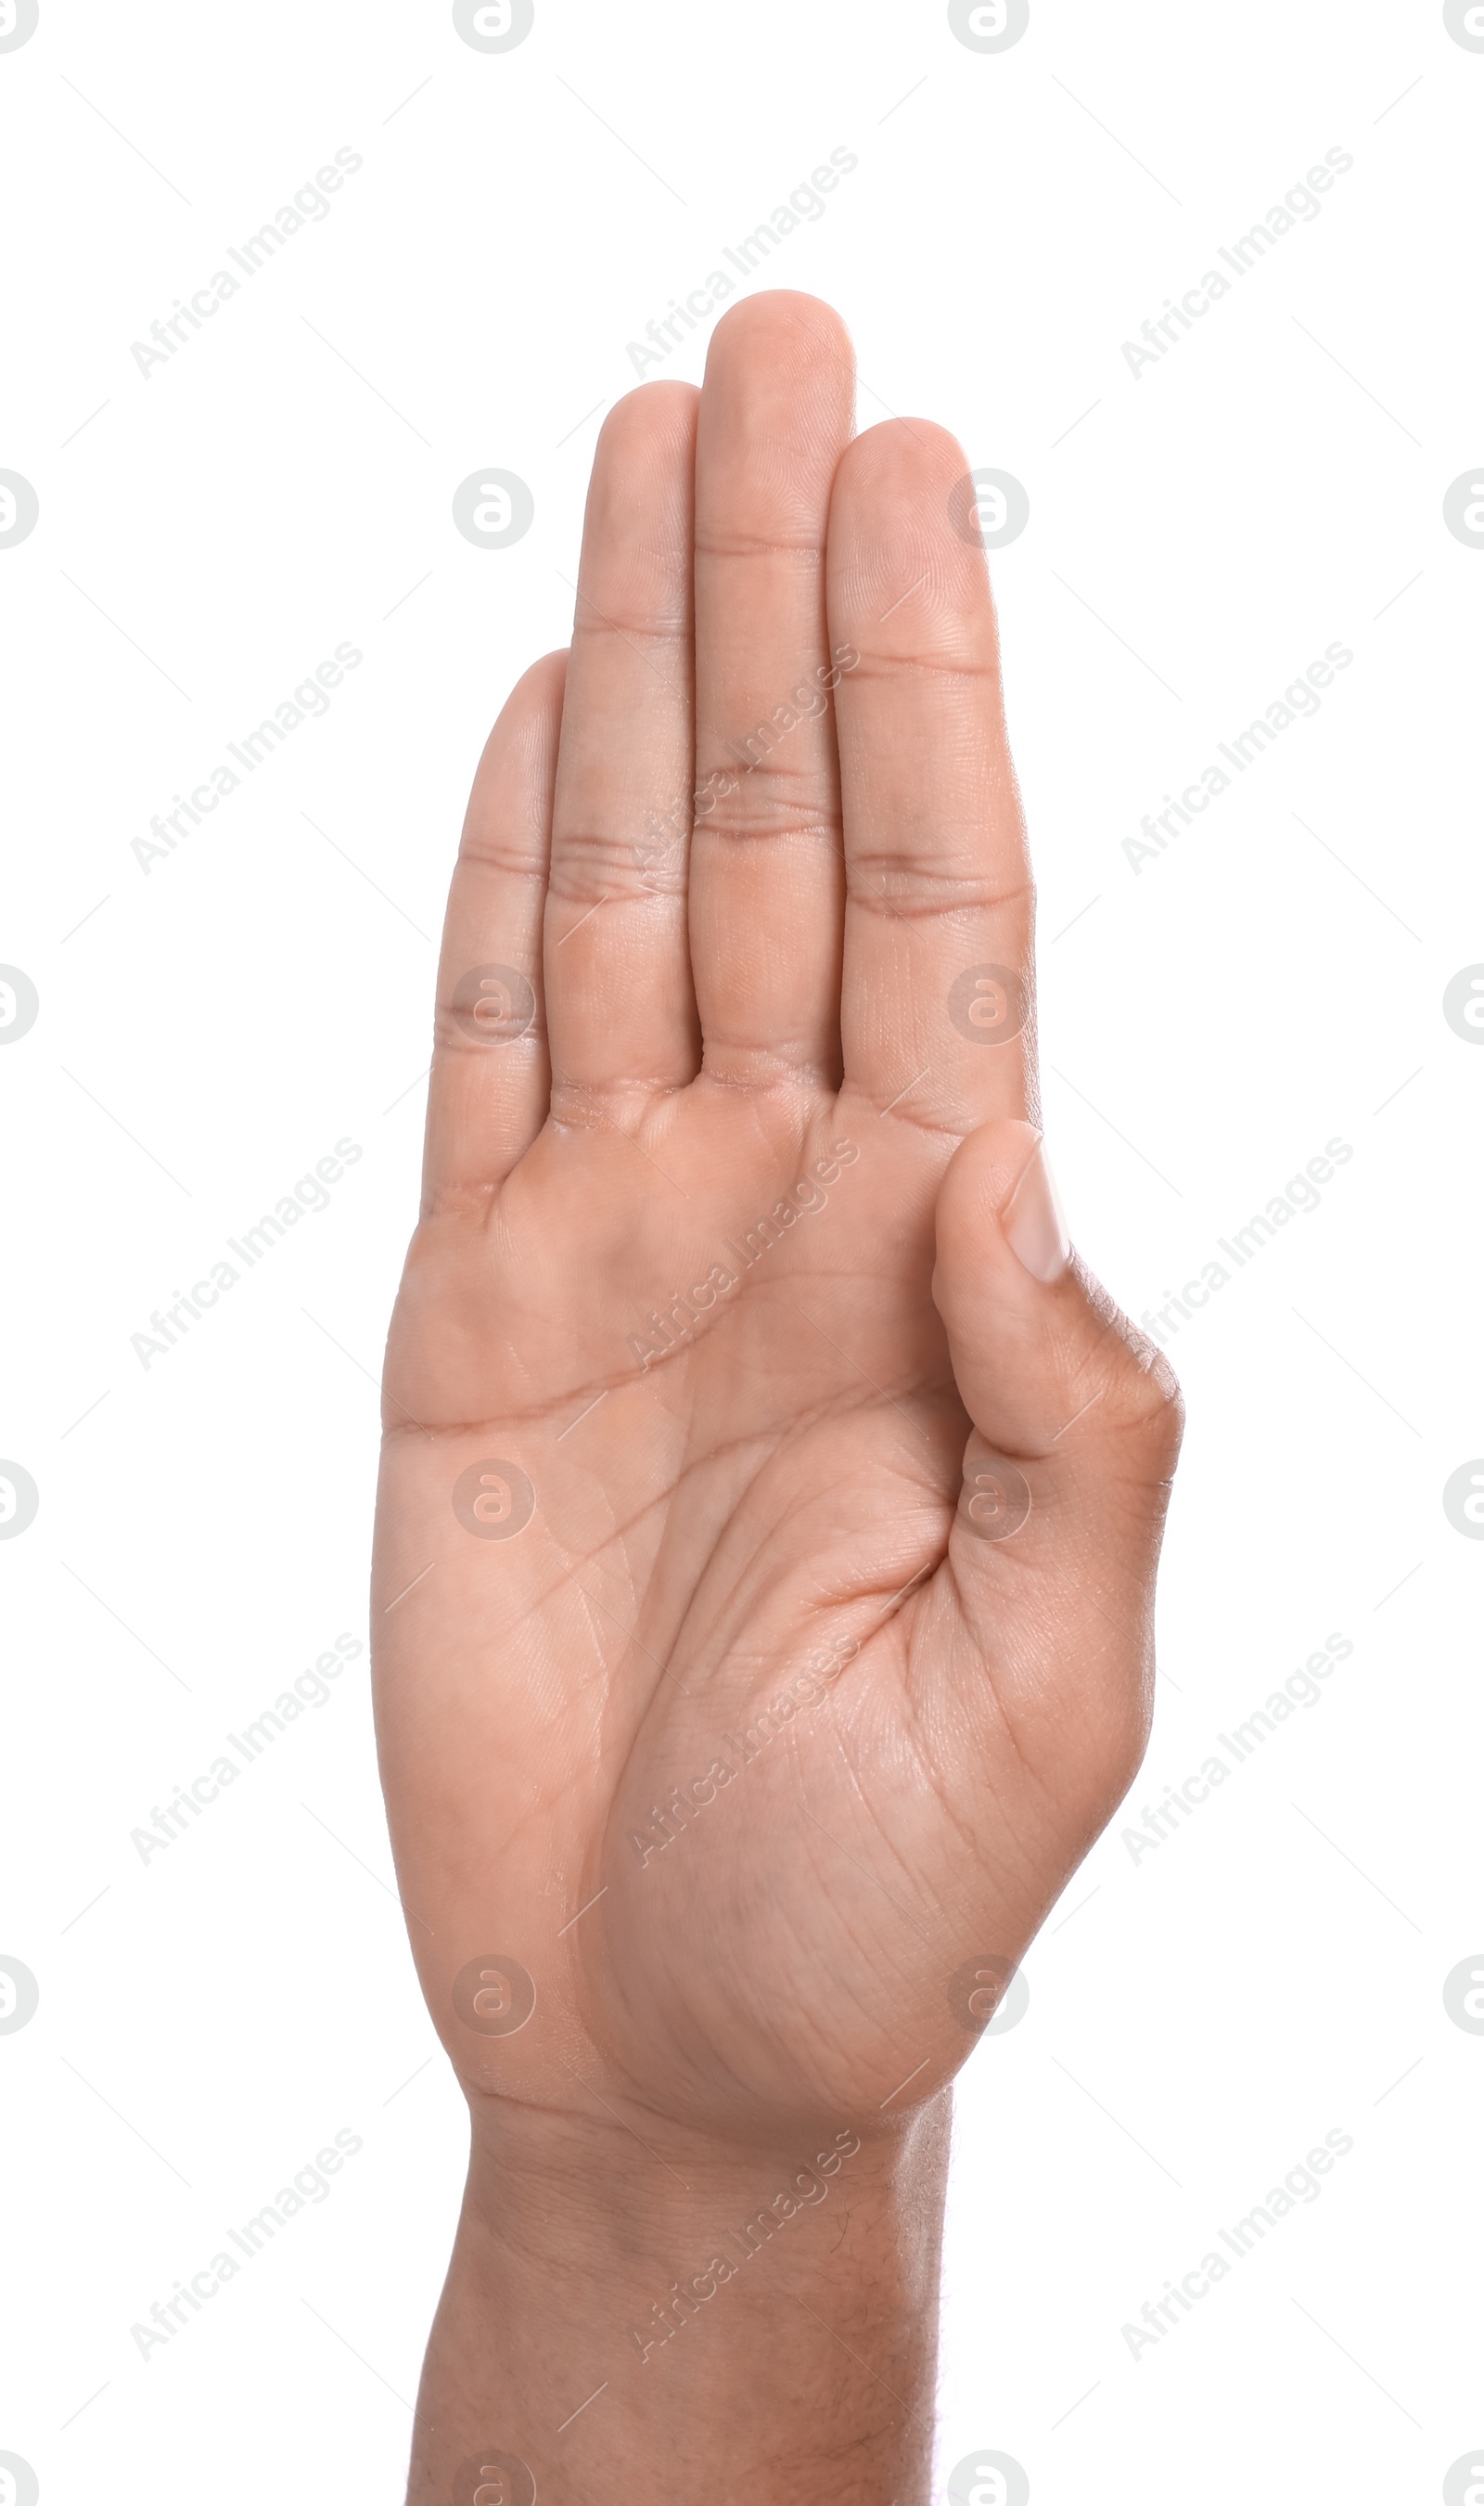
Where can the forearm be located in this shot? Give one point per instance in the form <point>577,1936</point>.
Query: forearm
<point>718,2322</point>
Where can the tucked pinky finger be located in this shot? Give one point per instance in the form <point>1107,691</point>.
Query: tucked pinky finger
<point>490,1085</point>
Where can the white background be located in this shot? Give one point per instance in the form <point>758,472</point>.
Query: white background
<point>1199,2018</point>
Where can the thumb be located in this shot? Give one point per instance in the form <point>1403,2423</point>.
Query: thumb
<point>1077,1418</point>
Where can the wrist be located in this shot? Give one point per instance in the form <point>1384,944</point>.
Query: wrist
<point>692,2315</point>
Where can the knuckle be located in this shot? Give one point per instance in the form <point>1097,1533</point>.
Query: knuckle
<point>775,806</point>
<point>1127,1743</point>
<point>1143,1393</point>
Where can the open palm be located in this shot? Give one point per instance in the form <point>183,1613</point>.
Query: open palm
<point>769,1507</point>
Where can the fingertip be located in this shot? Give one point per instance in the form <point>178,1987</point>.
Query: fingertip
<point>1033,1224</point>
<point>521,750</point>
<point>901,449</point>
<point>661,410</point>
<point>782,326</point>
<point>907,577</point>
<point>547,676</point>
<point>776,414</point>
<point>984,1172</point>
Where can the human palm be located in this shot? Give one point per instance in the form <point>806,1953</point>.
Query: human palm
<point>727,1688</point>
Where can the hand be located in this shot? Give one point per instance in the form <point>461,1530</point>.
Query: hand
<point>724,1683</point>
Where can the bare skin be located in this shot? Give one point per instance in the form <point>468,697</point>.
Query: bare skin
<point>711,1697</point>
